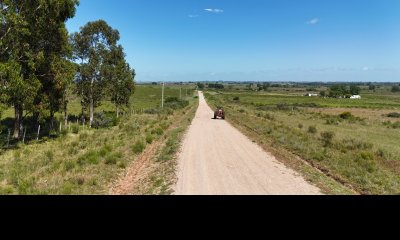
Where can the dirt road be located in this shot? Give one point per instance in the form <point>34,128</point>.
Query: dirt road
<point>216,159</point>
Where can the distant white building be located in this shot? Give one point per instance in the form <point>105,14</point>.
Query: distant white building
<point>355,97</point>
<point>312,95</point>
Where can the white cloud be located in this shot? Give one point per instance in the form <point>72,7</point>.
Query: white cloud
<point>313,21</point>
<point>214,10</point>
<point>193,16</point>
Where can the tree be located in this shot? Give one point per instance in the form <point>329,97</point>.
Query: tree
<point>372,87</point>
<point>337,91</point>
<point>266,86</point>
<point>395,89</point>
<point>322,94</point>
<point>92,44</point>
<point>33,46</point>
<point>120,78</point>
<point>355,90</point>
<point>200,86</point>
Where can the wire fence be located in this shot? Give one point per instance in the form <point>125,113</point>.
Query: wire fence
<point>45,131</point>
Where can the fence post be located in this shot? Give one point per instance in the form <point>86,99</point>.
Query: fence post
<point>38,132</point>
<point>60,128</point>
<point>23,139</point>
<point>8,138</point>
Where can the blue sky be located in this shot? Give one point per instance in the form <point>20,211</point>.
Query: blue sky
<point>254,40</point>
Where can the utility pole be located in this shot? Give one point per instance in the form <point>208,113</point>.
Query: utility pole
<point>162,96</point>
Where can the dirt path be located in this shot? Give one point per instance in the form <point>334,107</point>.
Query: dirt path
<point>216,159</point>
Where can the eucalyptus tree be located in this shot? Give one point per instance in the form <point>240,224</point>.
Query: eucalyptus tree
<point>119,78</point>
<point>92,45</point>
<point>33,54</point>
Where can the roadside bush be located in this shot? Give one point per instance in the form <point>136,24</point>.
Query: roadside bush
<point>158,131</point>
<point>151,111</point>
<point>393,115</point>
<point>75,129</point>
<point>138,147</point>
<point>112,159</point>
<point>105,150</point>
<point>346,115</point>
<point>282,106</point>
<point>312,129</point>
<point>396,125</point>
<point>327,138</point>
<point>332,121</point>
<point>101,120</point>
<point>64,132</point>
<point>149,139</point>
<point>91,157</point>
<point>175,103</point>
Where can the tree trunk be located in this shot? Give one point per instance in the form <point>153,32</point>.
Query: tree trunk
<point>51,119</point>
<point>18,121</point>
<point>65,106</point>
<point>91,110</point>
<point>91,104</point>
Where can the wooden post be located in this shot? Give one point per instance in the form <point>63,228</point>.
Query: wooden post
<point>60,127</point>
<point>38,132</point>
<point>8,138</point>
<point>162,96</point>
<point>23,139</point>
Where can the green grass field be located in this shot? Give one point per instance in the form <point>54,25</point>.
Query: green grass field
<point>87,161</point>
<point>361,151</point>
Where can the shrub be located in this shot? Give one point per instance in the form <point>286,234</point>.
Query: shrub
<point>346,115</point>
<point>236,99</point>
<point>300,126</point>
<point>327,138</point>
<point>282,106</point>
<point>159,131</point>
<point>90,157</point>
<point>64,132</point>
<point>396,125</point>
<point>312,129</point>
<point>101,120</point>
<point>393,115</point>
<point>332,121</point>
<point>151,111</point>
<point>75,129</point>
<point>105,150</point>
<point>149,139</point>
<point>112,159</point>
<point>138,147</point>
<point>175,103</point>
